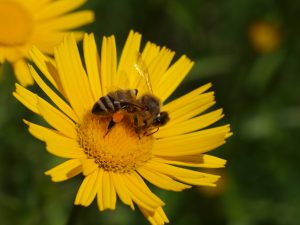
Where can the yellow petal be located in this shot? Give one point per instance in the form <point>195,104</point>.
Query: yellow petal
<point>190,125</point>
<point>204,181</point>
<point>54,117</point>
<point>88,189</point>
<point>173,77</point>
<point>191,143</point>
<point>61,104</point>
<point>92,63</point>
<point>150,53</point>
<point>187,98</point>
<point>88,166</point>
<point>65,171</point>
<point>158,217</point>
<point>22,72</point>
<point>177,172</point>
<point>128,58</point>
<point>68,21</point>
<point>73,77</point>
<point>121,189</point>
<point>190,108</point>
<point>100,200</point>
<point>154,63</point>
<point>202,161</point>
<point>34,5</point>
<point>57,144</point>
<point>44,65</point>
<point>159,66</point>
<point>57,8</point>
<point>45,40</point>
<point>57,119</point>
<point>108,63</point>
<point>27,98</point>
<point>140,193</point>
<point>162,181</point>
<point>108,192</point>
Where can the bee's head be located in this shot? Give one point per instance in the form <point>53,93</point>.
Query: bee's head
<point>161,119</point>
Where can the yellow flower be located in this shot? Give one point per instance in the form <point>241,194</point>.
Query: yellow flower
<point>116,163</point>
<point>42,23</point>
<point>265,36</point>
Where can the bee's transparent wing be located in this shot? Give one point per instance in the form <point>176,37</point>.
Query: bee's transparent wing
<point>115,91</point>
<point>142,77</point>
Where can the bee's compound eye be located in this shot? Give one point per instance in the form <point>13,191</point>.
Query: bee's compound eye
<point>161,119</point>
<point>164,117</point>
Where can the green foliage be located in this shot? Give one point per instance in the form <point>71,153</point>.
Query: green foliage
<point>259,94</point>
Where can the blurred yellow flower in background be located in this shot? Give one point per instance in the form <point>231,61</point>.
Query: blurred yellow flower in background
<point>265,36</point>
<point>42,23</point>
<point>116,163</point>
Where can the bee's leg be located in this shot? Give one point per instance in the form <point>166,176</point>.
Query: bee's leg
<point>144,127</point>
<point>109,127</point>
<point>153,132</point>
<point>136,125</point>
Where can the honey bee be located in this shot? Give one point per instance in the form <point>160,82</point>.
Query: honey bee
<point>144,111</point>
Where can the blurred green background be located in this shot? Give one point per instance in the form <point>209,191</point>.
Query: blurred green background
<point>249,50</point>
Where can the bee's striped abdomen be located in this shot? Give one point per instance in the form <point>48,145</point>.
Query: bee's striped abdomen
<point>115,101</point>
<point>104,105</point>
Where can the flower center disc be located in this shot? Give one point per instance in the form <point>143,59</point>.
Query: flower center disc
<point>121,150</point>
<point>15,24</point>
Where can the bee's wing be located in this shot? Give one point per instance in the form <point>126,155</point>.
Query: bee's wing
<point>143,82</point>
<point>125,97</point>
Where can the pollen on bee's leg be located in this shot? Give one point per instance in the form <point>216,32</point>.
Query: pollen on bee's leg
<point>118,116</point>
<point>120,150</point>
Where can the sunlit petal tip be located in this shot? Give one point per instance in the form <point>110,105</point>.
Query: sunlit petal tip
<point>88,190</point>
<point>134,33</point>
<point>210,185</point>
<point>229,135</point>
<point>92,17</point>
<point>222,166</point>
<point>157,217</point>
<point>25,121</point>
<point>208,85</point>
<point>65,171</point>
<point>38,57</point>
<point>22,73</point>
<point>26,97</point>
<point>86,36</point>
<point>69,39</point>
<point>218,161</point>
<point>33,132</point>
<point>220,110</point>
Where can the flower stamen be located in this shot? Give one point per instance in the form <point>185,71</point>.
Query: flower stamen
<point>121,150</point>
